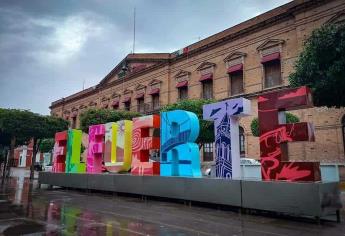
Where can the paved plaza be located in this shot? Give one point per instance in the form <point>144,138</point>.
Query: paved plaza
<point>24,209</point>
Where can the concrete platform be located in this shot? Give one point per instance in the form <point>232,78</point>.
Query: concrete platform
<point>300,199</point>
<point>316,200</point>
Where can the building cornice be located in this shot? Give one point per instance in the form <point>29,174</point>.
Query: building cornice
<point>255,24</point>
<point>265,20</point>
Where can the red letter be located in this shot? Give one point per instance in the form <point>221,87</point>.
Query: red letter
<point>275,135</point>
<point>60,150</point>
<point>143,143</point>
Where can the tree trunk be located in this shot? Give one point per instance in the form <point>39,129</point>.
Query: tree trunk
<point>33,159</point>
<point>5,164</point>
<point>10,160</point>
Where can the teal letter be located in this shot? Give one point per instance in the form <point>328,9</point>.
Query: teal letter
<point>179,154</point>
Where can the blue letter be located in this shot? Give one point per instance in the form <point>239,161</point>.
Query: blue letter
<point>179,154</point>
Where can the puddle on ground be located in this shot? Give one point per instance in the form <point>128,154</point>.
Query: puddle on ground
<point>26,210</point>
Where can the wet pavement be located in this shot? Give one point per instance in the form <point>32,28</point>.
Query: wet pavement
<point>24,209</point>
<point>22,172</point>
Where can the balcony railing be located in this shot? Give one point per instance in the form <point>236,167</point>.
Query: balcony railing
<point>148,108</point>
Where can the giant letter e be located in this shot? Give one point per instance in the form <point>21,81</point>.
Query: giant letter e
<point>275,133</point>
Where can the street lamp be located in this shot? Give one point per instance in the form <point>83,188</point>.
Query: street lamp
<point>124,69</point>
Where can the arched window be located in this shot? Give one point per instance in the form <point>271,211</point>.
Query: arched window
<point>242,141</point>
<point>343,130</point>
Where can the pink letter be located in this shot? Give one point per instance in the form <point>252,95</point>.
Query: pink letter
<point>96,148</point>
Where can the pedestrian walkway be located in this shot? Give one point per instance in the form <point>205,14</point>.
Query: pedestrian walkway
<point>26,209</point>
<point>22,172</point>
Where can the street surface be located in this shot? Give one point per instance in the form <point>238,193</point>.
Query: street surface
<point>24,209</point>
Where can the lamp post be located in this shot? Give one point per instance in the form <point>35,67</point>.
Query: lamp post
<point>124,70</point>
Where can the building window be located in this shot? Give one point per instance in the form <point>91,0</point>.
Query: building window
<point>183,93</point>
<point>74,122</point>
<point>141,105</point>
<point>155,102</point>
<point>207,89</point>
<point>272,71</point>
<point>115,104</point>
<point>236,82</point>
<point>127,106</point>
<point>208,152</point>
<point>242,141</point>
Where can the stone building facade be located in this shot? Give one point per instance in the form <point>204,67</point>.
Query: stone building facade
<point>246,60</point>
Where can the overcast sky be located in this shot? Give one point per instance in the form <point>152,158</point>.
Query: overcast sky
<point>48,47</point>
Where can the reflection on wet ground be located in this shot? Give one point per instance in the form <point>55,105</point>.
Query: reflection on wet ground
<point>24,209</point>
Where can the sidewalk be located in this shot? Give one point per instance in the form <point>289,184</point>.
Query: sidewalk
<point>22,172</point>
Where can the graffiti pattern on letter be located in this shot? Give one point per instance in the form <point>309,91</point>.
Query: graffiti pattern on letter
<point>118,146</point>
<point>179,152</point>
<point>226,128</point>
<point>95,149</point>
<point>143,143</point>
<point>59,153</point>
<point>73,164</point>
<point>274,135</point>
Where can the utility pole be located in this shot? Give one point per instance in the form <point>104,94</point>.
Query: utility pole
<point>134,32</point>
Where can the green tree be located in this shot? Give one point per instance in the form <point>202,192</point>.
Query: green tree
<point>44,127</point>
<point>22,126</point>
<point>102,116</point>
<point>46,145</point>
<point>206,134</point>
<point>254,125</point>
<point>14,130</point>
<point>321,65</point>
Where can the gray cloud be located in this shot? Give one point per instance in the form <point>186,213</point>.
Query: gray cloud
<point>48,48</point>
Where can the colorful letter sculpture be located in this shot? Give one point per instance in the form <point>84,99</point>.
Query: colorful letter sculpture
<point>118,146</point>
<point>273,134</point>
<point>110,143</point>
<point>225,115</point>
<point>60,150</point>
<point>73,164</point>
<point>96,148</point>
<point>143,143</point>
<point>179,154</point>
